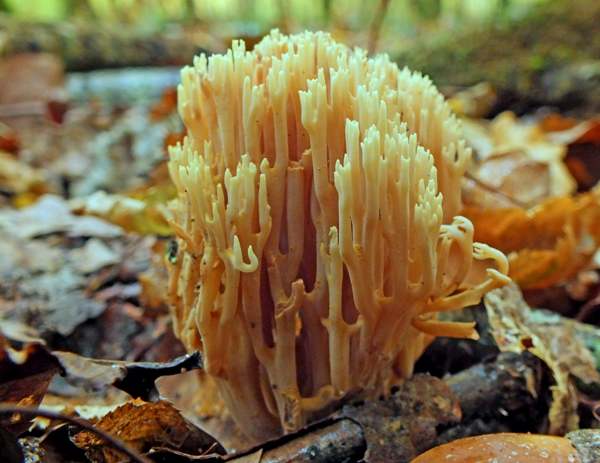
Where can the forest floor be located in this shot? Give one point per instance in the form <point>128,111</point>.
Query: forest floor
<point>88,360</point>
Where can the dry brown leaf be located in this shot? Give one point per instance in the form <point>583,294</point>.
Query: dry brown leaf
<point>153,281</point>
<point>143,426</point>
<point>166,106</point>
<point>547,244</point>
<point>520,145</point>
<point>9,140</point>
<point>511,173</point>
<point>556,122</point>
<point>516,328</point>
<point>93,256</point>
<point>141,214</point>
<point>474,101</point>
<point>584,132</point>
<point>29,77</point>
<point>24,378</point>
<point>18,178</point>
<point>51,214</point>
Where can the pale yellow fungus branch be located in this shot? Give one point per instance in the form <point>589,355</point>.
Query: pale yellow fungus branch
<point>316,226</point>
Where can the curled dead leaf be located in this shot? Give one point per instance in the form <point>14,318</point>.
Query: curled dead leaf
<point>144,426</point>
<point>519,146</point>
<point>546,244</point>
<point>135,378</point>
<point>516,328</point>
<point>24,378</point>
<point>18,178</point>
<point>141,215</point>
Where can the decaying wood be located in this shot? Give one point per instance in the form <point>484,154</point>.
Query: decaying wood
<point>341,440</point>
<point>494,396</point>
<point>500,389</point>
<point>499,396</point>
<point>405,424</point>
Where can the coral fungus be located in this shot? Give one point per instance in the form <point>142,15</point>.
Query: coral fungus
<point>317,227</point>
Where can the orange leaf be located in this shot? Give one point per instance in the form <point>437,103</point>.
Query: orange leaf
<point>546,244</point>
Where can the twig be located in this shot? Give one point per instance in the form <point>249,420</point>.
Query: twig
<point>375,29</point>
<point>85,424</point>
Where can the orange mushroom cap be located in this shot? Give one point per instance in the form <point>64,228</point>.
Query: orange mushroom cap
<point>503,448</point>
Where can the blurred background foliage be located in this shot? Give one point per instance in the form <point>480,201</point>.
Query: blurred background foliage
<point>403,16</point>
<point>531,52</point>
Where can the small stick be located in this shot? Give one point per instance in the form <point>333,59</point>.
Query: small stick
<point>85,424</point>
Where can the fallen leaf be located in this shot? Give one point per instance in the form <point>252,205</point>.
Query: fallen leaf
<point>24,378</point>
<point>135,378</point>
<point>57,302</point>
<point>516,328</point>
<point>93,256</point>
<point>166,106</point>
<point>153,281</point>
<point>15,331</point>
<point>9,140</point>
<point>144,426</point>
<point>546,244</point>
<point>29,77</point>
<point>518,144</point>
<point>51,214</point>
<point>123,155</point>
<point>510,173</point>
<point>135,215</point>
<point>474,101</point>
<point>18,255</point>
<point>18,178</point>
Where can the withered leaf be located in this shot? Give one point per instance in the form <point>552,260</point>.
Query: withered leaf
<point>145,425</point>
<point>51,214</point>
<point>546,244</point>
<point>57,301</point>
<point>24,378</point>
<point>135,378</point>
<point>139,214</point>
<point>93,256</point>
<point>9,140</point>
<point>516,328</point>
<point>528,143</point>
<point>18,178</point>
<point>29,77</point>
